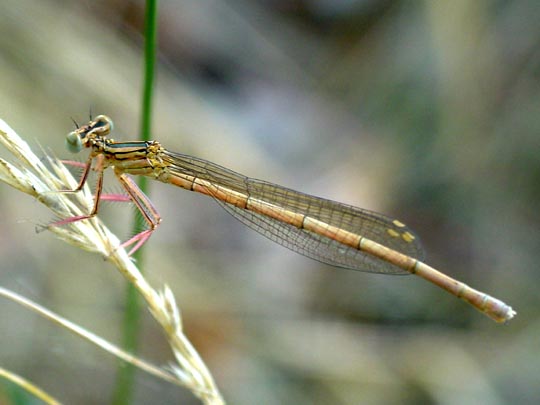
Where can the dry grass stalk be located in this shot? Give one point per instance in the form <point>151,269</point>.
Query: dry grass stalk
<point>31,176</point>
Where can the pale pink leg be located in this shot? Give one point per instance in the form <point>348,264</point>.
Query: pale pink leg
<point>103,197</point>
<point>147,209</point>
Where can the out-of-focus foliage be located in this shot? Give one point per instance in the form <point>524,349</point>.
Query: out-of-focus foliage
<point>427,111</point>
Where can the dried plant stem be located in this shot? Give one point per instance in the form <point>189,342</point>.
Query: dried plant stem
<point>28,387</point>
<point>31,176</point>
<point>98,341</point>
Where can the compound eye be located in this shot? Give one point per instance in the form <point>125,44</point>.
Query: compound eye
<point>102,125</point>
<point>73,142</point>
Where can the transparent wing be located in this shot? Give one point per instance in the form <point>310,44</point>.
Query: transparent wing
<point>371,225</point>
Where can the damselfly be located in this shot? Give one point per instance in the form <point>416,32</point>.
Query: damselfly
<point>331,232</point>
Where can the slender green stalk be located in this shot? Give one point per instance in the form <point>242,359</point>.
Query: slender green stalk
<point>125,374</point>
<point>26,387</point>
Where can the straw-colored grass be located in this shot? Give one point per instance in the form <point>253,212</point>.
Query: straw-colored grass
<point>32,176</point>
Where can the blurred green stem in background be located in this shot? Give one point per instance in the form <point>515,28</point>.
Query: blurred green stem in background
<point>125,375</point>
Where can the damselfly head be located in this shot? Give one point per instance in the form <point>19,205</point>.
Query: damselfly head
<point>83,136</point>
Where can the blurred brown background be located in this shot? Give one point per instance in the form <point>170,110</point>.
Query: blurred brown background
<point>426,111</point>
